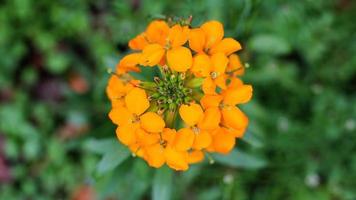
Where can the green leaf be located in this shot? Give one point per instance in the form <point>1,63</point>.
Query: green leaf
<point>162,184</point>
<point>100,146</point>
<point>252,139</point>
<point>240,159</point>
<point>114,153</point>
<point>270,44</point>
<point>112,159</point>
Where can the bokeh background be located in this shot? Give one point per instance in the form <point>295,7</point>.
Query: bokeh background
<point>56,141</point>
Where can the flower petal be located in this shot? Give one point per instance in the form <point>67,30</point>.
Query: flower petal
<point>202,140</point>
<point>223,141</point>
<point>208,101</point>
<point>179,59</point>
<point>121,116</point>
<point>128,63</point>
<point>195,157</point>
<point>239,95</point>
<point>126,134</point>
<point>177,160</point>
<point>234,118</point>
<point>209,86</point>
<point>197,40</point>
<point>136,150</point>
<point>178,35</point>
<point>138,43</point>
<point>220,81</point>
<point>152,55</point>
<point>235,82</point>
<point>169,135</point>
<point>184,139</point>
<point>145,139</point>
<point>154,155</point>
<point>226,46</point>
<point>214,32</point>
<point>201,65</point>
<point>136,101</point>
<point>218,63</point>
<point>191,114</point>
<point>235,66</point>
<point>238,133</point>
<point>211,119</point>
<point>157,32</point>
<point>152,122</point>
<point>115,88</point>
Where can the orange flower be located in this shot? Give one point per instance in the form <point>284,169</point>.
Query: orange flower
<point>167,44</point>
<point>190,106</point>
<point>225,104</point>
<point>195,137</point>
<point>211,61</point>
<point>162,152</point>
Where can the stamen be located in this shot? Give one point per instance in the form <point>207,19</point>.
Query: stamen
<point>214,75</point>
<point>195,129</point>
<point>136,118</point>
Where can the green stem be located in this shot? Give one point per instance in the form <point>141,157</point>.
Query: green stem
<point>171,118</point>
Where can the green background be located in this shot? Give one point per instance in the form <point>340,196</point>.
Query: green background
<point>56,141</point>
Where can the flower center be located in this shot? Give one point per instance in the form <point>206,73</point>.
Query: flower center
<point>170,91</point>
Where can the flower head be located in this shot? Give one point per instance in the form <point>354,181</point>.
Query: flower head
<point>189,109</point>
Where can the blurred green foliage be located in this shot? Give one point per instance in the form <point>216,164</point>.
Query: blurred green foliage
<point>56,136</point>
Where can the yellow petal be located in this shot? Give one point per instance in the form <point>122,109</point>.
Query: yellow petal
<point>235,82</point>
<point>152,55</point>
<point>117,102</point>
<point>179,59</point>
<point>126,134</point>
<point>201,65</point>
<point>152,122</point>
<point>214,33</point>
<point>219,62</point>
<point>208,86</point>
<point>234,118</point>
<point>178,35</point>
<point>223,141</point>
<point>191,114</point>
<point>202,140</point>
<point>157,32</point>
<point>195,157</point>
<point>138,43</point>
<point>121,116</point>
<point>129,63</point>
<point>154,155</point>
<point>235,66</point>
<point>136,150</point>
<point>238,95</point>
<point>197,40</point>
<point>136,101</point>
<point>211,119</point>
<point>238,133</point>
<point>221,81</point>
<point>208,101</point>
<point>226,46</point>
<point>177,160</point>
<point>168,135</point>
<point>184,139</point>
<point>116,88</point>
<point>145,139</point>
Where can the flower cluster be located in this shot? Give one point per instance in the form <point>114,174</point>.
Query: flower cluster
<point>189,109</point>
